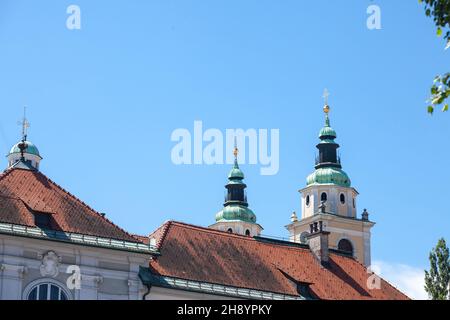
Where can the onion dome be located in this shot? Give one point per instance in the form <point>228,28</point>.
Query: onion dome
<point>30,148</point>
<point>236,173</point>
<point>327,132</point>
<point>236,212</point>
<point>329,176</point>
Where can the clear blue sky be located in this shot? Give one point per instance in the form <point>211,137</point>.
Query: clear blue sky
<point>104,100</point>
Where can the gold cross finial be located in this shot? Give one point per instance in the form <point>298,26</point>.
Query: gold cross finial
<point>25,124</point>
<point>326,107</point>
<point>236,150</point>
<point>325,96</point>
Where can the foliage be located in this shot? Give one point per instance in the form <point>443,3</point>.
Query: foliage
<point>439,10</point>
<point>437,280</point>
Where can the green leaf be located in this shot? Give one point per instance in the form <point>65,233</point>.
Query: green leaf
<point>430,109</point>
<point>445,108</point>
<point>439,32</point>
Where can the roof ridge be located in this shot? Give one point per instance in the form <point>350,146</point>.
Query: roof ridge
<point>165,230</point>
<point>209,230</point>
<point>235,235</point>
<point>86,205</point>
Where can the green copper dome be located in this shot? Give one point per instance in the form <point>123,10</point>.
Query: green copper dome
<point>31,149</point>
<point>329,176</point>
<point>236,173</point>
<point>327,131</point>
<point>236,212</point>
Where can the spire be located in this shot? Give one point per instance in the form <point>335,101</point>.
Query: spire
<point>236,206</point>
<point>235,153</point>
<point>328,163</point>
<point>327,133</point>
<point>236,174</point>
<point>236,216</point>
<point>327,147</point>
<point>25,125</point>
<point>326,107</point>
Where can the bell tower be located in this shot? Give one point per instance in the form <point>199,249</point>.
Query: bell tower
<point>236,216</point>
<point>330,198</point>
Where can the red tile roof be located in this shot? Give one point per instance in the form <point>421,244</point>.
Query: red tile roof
<point>206,255</point>
<point>24,192</point>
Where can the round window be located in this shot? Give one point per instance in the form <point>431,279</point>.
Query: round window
<point>342,198</point>
<point>304,237</point>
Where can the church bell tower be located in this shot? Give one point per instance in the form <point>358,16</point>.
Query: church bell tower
<point>329,197</point>
<point>236,217</point>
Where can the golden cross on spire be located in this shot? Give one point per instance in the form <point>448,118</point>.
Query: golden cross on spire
<point>25,124</point>
<point>325,96</point>
<point>236,150</point>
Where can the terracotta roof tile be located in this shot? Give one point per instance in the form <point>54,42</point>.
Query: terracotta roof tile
<point>206,255</point>
<point>24,192</point>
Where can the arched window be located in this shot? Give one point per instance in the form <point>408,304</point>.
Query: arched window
<point>230,230</point>
<point>247,233</point>
<point>342,198</point>
<point>323,197</point>
<point>346,246</point>
<point>308,200</point>
<point>46,291</point>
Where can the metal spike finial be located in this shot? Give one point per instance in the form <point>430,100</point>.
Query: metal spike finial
<point>236,150</point>
<point>25,124</point>
<point>325,96</point>
<point>326,107</point>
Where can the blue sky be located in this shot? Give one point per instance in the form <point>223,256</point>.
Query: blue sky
<point>104,100</point>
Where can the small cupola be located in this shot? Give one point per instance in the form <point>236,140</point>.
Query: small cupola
<point>24,153</point>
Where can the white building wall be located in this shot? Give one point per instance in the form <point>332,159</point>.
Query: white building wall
<point>105,273</point>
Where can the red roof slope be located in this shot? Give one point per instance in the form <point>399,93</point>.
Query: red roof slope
<point>24,192</point>
<point>207,255</point>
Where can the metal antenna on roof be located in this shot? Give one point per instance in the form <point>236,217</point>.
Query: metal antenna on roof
<point>25,124</point>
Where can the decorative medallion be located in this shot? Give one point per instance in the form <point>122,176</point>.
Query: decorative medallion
<point>50,264</point>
